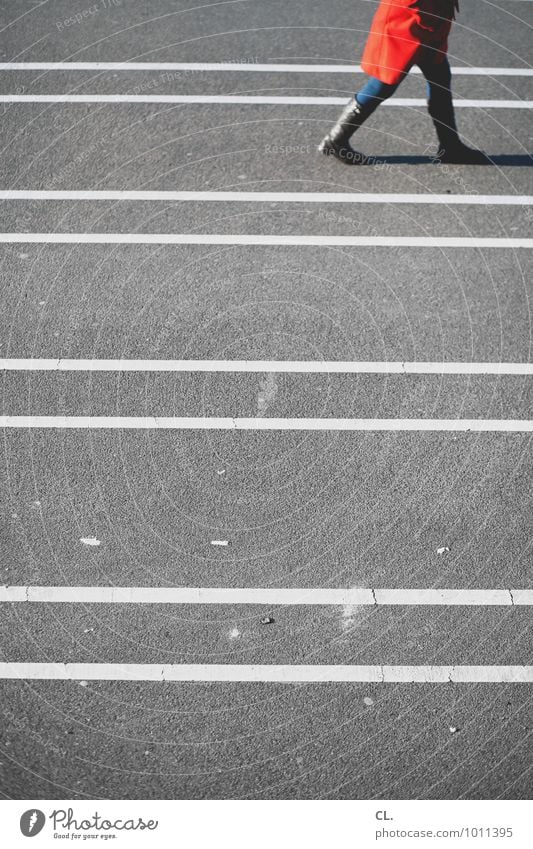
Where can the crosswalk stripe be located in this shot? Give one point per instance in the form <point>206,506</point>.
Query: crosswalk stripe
<point>254,67</point>
<point>269,366</point>
<point>267,673</point>
<point>266,424</point>
<point>263,240</point>
<point>325,596</point>
<point>267,197</point>
<point>247,99</point>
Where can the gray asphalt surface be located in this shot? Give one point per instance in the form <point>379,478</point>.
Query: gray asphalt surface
<point>298,509</point>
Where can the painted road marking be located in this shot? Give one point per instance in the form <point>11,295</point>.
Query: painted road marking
<point>284,674</point>
<point>258,240</point>
<point>241,66</point>
<point>324,596</point>
<point>268,197</point>
<point>246,99</point>
<point>269,366</point>
<point>280,424</point>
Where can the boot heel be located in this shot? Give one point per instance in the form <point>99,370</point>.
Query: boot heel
<point>325,147</point>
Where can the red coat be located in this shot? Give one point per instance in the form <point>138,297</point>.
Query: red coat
<point>401,29</point>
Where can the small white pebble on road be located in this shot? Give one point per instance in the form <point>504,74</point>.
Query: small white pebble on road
<point>234,634</point>
<point>84,683</point>
<point>221,471</point>
<point>90,541</point>
<point>88,630</point>
<point>219,542</point>
<point>368,701</point>
<point>453,729</point>
<point>443,549</point>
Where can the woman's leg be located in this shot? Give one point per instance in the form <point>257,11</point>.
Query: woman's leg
<point>374,92</point>
<point>439,98</point>
<point>355,113</point>
<point>440,107</point>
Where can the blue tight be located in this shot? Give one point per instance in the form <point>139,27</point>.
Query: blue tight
<point>438,76</point>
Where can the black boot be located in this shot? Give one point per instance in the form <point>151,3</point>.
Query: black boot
<point>336,143</point>
<point>460,154</point>
<point>452,151</point>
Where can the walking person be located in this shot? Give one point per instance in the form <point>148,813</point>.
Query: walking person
<point>405,33</point>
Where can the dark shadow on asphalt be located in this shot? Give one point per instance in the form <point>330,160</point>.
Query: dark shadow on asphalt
<point>502,160</point>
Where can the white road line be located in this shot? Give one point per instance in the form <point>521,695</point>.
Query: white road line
<point>246,99</point>
<point>268,596</point>
<point>255,67</point>
<point>257,240</point>
<point>269,197</point>
<point>285,424</point>
<point>284,674</point>
<point>268,366</point>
